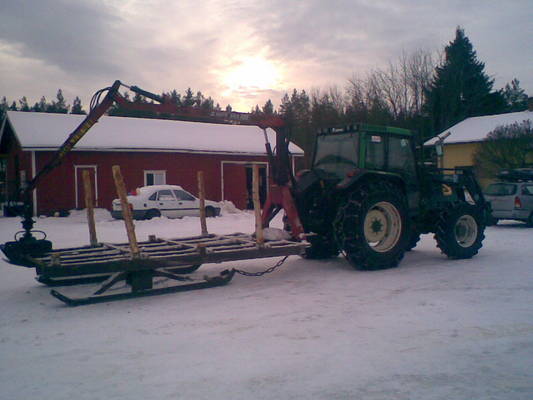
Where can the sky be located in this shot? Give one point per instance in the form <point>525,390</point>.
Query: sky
<point>243,52</point>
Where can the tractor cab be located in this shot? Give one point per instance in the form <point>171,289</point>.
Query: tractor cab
<point>340,151</point>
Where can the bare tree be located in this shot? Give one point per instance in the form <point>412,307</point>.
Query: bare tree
<point>399,88</point>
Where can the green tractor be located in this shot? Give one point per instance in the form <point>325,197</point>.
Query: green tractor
<point>369,195</point>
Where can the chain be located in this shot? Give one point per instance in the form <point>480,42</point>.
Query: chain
<point>266,271</point>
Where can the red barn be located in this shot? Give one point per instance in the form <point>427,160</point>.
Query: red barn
<point>149,151</point>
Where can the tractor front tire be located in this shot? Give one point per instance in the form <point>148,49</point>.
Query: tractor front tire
<point>371,227</point>
<point>460,231</point>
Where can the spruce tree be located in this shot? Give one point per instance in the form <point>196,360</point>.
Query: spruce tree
<point>77,107</point>
<point>24,104</point>
<point>189,98</point>
<point>40,106</point>
<point>268,108</point>
<point>58,106</point>
<point>3,108</point>
<point>460,87</point>
<point>515,97</point>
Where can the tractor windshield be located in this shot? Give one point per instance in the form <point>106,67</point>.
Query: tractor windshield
<point>337,154</point>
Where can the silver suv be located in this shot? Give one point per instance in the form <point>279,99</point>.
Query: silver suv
<point>511,200</point>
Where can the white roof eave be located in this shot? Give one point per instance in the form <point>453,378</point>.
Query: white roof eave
<point>42,132</point>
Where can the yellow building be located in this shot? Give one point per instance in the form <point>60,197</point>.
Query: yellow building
<point>465,137</point>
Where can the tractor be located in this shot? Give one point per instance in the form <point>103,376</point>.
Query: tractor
<point>369,195</point>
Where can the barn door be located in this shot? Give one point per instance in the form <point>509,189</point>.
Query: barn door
<point>237,183</point>
<point>262,185</point>
<point>80,192</point>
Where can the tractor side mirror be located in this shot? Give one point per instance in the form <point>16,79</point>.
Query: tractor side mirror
<point>438,149</point>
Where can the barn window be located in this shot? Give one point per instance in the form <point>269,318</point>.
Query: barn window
<point>155,178</point>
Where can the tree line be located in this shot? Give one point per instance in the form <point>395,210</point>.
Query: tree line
<point>418,91</point>
<point>58,105</point>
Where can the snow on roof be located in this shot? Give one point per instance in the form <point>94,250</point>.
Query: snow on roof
<point>45,131</point>
<point>475,129</point>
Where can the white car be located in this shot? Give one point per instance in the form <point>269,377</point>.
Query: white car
<point>171,201</point>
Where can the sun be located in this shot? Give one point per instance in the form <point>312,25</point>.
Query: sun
<point>252,74</point>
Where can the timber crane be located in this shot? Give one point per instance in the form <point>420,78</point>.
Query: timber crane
<point>27,244</point>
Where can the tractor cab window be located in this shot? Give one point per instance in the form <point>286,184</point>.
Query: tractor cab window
<point>401,156</point>
<point>337,153</point>
<point>375,151</point>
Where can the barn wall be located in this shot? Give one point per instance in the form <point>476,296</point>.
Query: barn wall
<point>57,190</point>
<point>15,160</point>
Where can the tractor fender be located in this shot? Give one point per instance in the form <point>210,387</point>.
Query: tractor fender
<point>358,176</point>
<point>306,179</point>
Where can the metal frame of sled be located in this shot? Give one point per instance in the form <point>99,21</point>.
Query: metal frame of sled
<point>168,258</point>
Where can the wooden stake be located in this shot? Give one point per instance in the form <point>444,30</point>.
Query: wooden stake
<point>259,235</point>
<point>89,205</point>
<point>201,196</point>
<point>126,211</point>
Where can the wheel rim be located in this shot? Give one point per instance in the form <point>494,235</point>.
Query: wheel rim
<point>466,231</point>
<point>382,226</point>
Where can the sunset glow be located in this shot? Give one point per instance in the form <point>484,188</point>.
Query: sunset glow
<point>253,73</point>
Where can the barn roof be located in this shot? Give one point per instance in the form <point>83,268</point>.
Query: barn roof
<point>44,131</point>
<point>475,129</point>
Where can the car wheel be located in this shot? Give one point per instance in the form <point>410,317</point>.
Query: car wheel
<point>210,212</point>
<point>152,214</point>
<point>529,221</point>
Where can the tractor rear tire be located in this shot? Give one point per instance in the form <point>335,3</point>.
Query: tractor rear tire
<point>414,238</point>
<point>460,231</point>
<point>371,227</point>
<point>322,247</point>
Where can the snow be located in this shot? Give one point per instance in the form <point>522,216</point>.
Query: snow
<point>45,130</point>
<point>431,329</point>
<point>475,129</point>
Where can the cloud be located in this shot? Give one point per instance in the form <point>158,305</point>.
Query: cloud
<point>73,36</point>
<point>83,45</point>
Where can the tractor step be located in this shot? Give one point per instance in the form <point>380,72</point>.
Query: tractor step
<point>100,296</point>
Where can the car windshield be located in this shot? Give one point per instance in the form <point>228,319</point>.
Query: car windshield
<point>501,189</point>
<point>337,153</point>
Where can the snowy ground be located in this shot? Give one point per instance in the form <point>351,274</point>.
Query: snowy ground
<point>431,329</point>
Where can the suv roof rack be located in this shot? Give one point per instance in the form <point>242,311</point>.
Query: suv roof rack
<point>516,175</point>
